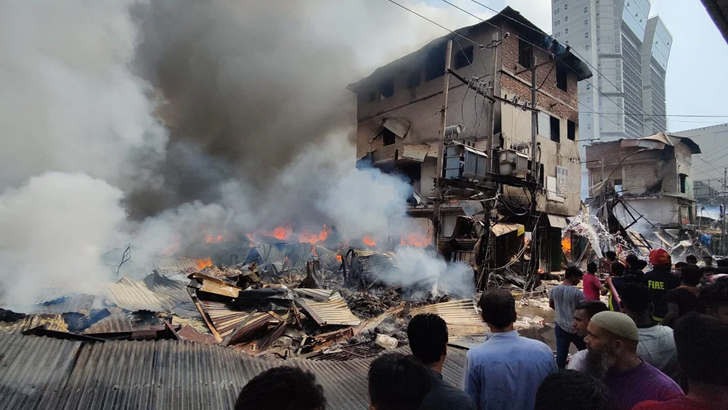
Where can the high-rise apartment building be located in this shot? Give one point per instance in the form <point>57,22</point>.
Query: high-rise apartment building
<point>626,99</point>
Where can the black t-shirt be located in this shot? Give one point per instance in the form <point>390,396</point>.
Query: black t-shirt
<point>660,281</point>
<point>686,301</point>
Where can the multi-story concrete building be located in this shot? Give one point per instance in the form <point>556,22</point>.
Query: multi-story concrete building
<point>631,51</point>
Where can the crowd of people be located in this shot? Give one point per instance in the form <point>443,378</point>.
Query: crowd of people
<point>660,344</point>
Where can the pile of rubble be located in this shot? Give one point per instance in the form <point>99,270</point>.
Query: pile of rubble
<point>295,301</point>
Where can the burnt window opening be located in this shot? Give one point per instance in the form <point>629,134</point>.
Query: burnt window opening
<point>435,63</point>
<point>562,77</point>
<point>414,79</point>
<point>386,88</point>
<point>388,137</point>
<point>372,96</point>
<point>525,53</point>
<point>555,129</point>
<point>571,130</point>
<point>464,57</point>
<point>683,183</point>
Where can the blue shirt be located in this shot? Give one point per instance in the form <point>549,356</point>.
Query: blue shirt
<point>504,372</point>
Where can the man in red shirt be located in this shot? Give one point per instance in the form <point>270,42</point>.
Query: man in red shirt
<point>592,284</point>
<point>704,360</point>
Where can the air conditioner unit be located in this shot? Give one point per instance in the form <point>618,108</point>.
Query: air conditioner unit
<point>512,162</point>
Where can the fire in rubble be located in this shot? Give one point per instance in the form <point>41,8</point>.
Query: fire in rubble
<point>419,241</point>
<point>203,263</point>
<point>369,242</point>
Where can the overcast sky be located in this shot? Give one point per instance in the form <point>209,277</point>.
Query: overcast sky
<point>697,82</point>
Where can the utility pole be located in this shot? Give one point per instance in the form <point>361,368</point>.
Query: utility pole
<point>534,121</point>
<point>492,92</point>
<point>532,273</point>
<point>441,150</point>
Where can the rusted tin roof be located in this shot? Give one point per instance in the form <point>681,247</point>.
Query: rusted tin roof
<point>50,321</point>
<point>461,316</point>
<point>42,373</point>
<point>332,312</point>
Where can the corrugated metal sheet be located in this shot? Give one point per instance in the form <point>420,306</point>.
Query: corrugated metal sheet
<point>226,320</point>
<point>461,316</point>
<point>50,321</point>
<point>70,303</point>
<point>174,265</point>
<point>316,294</point>
<point>42,373</point>
<point>134,295</point>
<point>332,312</point>
<point>116,323</point>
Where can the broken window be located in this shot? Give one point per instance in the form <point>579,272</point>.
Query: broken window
<point>561,76</point>
<point>571,130</point>
<point>464,57</point>
<point>435,63</point>
<point>555,129</point>
<point>388,137</point>
<point>386,88</point>
<point>683,183</point>
<point>414,78</point>
<point>525,53</point>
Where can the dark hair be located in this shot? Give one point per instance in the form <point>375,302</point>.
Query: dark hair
<point>632,260</point>
<point>427,334</point>
<point>635,297</point>
<point>573,272</point>
<point>715,295</point>
<point>611,255</point>
<point>691,275</point>
<point>591,267</point>
<point>641,264</point>
<point>691,259</point>
<point>617,269</point>
<point>681,265</point>
<point>498,307</point>
<point>592,307</point>
<point>397,382</point>
<point>282,388</point>
<point>722,263</point>
<point>701,352</point>
<point>572,390</point>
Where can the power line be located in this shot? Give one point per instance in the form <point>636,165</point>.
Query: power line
<point>436,23</point>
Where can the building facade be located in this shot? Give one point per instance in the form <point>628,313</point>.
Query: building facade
<point>631,51</point>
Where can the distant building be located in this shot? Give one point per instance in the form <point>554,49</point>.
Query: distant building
<point>714,143</point>
<point>399,104</point>
<point>653,174</point>
<point>631,51</point>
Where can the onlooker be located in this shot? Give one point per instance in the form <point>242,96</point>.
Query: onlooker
<point>708,260</point>
<point>427,334</point>
<point>582,315</point>
<point>703,357</point>
<point>715,300</point>
<point>684,299</point>
<point>691,260</point>
<point>609,258</point>
<point>564,298</point>
<point>614,284</point>
<point>504,372</point>
<point>397,382</point>
<point>657,344</point>
<point>592,284</point>
<point>282,388</point>
<point>571,390</point>
<point>612,343</point>
<point>660,280</point>
<point>634,268</point>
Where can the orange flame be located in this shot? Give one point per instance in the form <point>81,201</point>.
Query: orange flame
<point>339,258</point>
<point>313,250</point>
<point>369,241</point>
<point>203,263</point>
<point>280,232</point>
<point>214,239</point>
<point>309,237</point>
<point>566,245</point>
<point>416,240</point>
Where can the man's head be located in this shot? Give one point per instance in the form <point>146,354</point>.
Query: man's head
<point>632,261</point>
<point>715,299</point>
<point>635,300</point>
<point>397,382</point>
<point>591,267</point>
<point>691,259</point>
<point>611,255</point>
<point>427,334</point>
<point>617,269</point>
<point>660,258</point>
<point>680,265</point>
<point>498,309</point>
<point>612,337</point>
<point>708,260</point>
<point>583,314</point>
<point>282,388</point>
<point>573,275</point>
<point>701,352</point>
<point>641,264</point>
<point>691,275</point>
<point>572,390</point>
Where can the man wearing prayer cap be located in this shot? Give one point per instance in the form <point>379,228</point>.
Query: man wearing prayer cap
<point>660,280</point>
<point>612,344</point>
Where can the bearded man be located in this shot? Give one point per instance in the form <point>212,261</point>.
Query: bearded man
<point>612,345</point>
